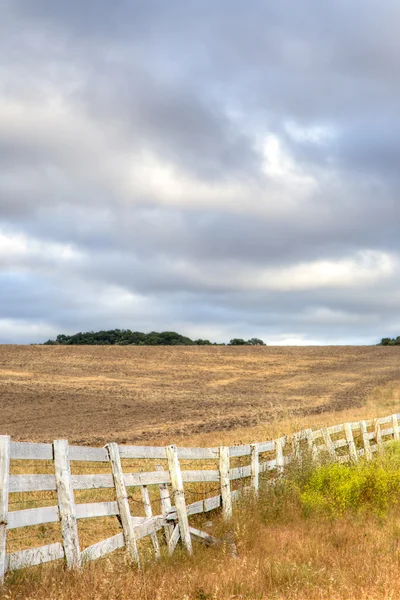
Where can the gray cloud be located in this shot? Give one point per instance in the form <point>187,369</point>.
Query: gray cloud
<point>204,168</point>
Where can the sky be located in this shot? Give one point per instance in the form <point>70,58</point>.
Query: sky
<point>220,169</point>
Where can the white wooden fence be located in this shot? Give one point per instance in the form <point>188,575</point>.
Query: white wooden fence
<point>346,442</point>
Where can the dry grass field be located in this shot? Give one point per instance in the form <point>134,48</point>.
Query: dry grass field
<point>187,395</point>
<point>351,558</point>
<point>206,396</point>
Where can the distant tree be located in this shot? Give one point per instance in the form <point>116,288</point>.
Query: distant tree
<point>126,337</point>
<point>390,341</point>
<point>256,342</point>
<point>237,342</point>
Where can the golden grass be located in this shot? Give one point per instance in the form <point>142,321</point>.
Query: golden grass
<point>289,557</point>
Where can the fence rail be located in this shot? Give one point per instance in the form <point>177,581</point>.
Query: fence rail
<point>345,442</point>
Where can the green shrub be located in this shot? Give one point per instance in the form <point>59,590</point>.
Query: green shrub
<point>335,488</point>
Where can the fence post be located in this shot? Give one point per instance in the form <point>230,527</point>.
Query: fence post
<point>296,449</point>
<point>350,442</point>
<point>328,442</point>
<point>378,434</point>
<point>4,486</point>
<point>226,497</point>
<point>123,504</point>
<point>310,442</point>
<point>149,514</point>
<point>165,502</point>
<point>255,468</point>
<point>396,433</point>
<point>66,504</point>
<point>179,496</point>
<point>280,460</point>
<point>367,445</point>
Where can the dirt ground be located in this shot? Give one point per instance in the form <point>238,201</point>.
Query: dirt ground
<point>96,394</point>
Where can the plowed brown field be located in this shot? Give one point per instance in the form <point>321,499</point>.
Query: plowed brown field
<point>203,395</point>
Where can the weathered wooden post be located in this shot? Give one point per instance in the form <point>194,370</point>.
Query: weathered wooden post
<point>328,442</point>
<point>378,434</point>
<point>165,501</point>
<point>280,460</point>
<point>179,497</point>
<point>255,468</point>
<point>123,503</point>
<point>4,487</point>
<point>365,437</point>
<point>311,445</point>
<point>348,430</point>
<point>66,504</point>
<point>149,514</point>
<point>395,425</point>
<point>224,466</point>
<point>296,449</point>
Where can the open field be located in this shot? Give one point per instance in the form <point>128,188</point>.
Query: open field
<point>189,395</point>
<point>204,396</point>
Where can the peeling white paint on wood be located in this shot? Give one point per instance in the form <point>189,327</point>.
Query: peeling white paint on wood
<point>4,490</point>
<point>66,504</point>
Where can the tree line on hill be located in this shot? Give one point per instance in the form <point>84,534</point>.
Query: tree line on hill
<point>390,341</point>
<point>126,337</point>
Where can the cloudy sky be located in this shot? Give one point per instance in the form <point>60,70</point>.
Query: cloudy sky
<point>216,168</point>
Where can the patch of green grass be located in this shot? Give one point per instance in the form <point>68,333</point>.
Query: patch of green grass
<point>336,488</point>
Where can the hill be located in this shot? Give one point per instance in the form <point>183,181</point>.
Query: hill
<point>91,394</point>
